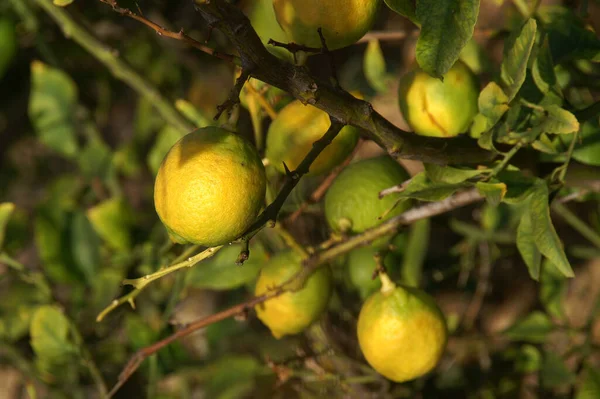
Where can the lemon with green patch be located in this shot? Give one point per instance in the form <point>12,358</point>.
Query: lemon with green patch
<point>401,331</point>
<point>352,203</point>
<point>343,21</point>
<point>291,312</point>
<point>292,134</point>
<point>210,187</point>
<point>439,108</point>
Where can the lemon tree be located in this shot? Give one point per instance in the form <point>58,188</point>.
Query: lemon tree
<point>294,311</point>
<point>437,108</point>
<point>352,203</point>
<point>293,132</point>
<point>401,331</point>
<point>343,21</point>
<point>209,187</point>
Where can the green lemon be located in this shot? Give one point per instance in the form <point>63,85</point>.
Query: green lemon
<point>401,331</point>
<point>439,108</point>
<point>291,312</point>
<point>210,187</point>
<point>343,21</point>
<point>262,18</point>
<point>361,265</point>
<point>352,203</point>
<point>293,132</point>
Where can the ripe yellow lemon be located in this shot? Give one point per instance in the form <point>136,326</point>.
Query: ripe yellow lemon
<point>292,134</point>
<point>343,21</point>
<point>352,203</point>
<point>209,187</point>
<point>439,109</point>
<point>401,331</point>
<point>291,312</point>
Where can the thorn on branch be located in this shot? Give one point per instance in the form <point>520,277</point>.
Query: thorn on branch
<point>234,95</point>
<point>325,50</point>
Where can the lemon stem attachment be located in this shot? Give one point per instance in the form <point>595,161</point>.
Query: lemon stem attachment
<point>387,285</point>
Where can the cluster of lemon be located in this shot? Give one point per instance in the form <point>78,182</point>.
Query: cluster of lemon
<point>211,187</point>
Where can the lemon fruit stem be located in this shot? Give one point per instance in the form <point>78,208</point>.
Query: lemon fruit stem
<point>387,285</point>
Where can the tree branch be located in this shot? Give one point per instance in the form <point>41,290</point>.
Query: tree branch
<point>310,265</point>
<point>341,105</point>
<point>119,68</point>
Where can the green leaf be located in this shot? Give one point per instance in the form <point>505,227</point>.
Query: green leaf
<point>529,359</point>
<point>542,70</point>
<point>164,141</point>
<point>493,192</point>
<point>493,103</point>
<point>518,186</point>
<point>533,328</point>
<point>405,8</point>
<point>230,376</point>
<point>527,248</point>
<point>516,57</point>
<point>49,332</point>
<point>8,44</point>
<point>554,371</point>
<point>374,67</point>
<point>52,104</point>
<point>590,388</point>
<point>85,246</point>
<point>96,160</point>
<point>221,272</point>
<point>112,221</point>
<point>415,252</point>
<point>553,286</point>
<point>422,189</point>
<point>6,210</point>
<point>559,121</point>
<point>450,175</point>
<point>62,3</point>
<point>446,27</point>
<point>192,113</point>
<point>588,149</point>
<point>545,236</point>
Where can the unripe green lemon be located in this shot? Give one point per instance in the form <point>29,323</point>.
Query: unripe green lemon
<point>262,18</point>
<point>343,21</point>
<point>352,203</point>
<point>361,265</point>
<point>291,312</point>
<point>439,109</point>
<point>293,132</point>
<point>210,187</point>
<point>401,331</point>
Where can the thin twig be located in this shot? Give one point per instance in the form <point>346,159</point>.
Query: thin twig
<point>118,67</point>
<point>234,95</point>
<point>181,36</point>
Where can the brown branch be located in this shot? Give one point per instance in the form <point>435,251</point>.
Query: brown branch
<point>234,96</point>
<point>338,103</point>
<point>181,36</point>
<point>310,265</point>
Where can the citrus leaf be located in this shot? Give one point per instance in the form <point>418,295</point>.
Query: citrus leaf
<point>516,56</point>
<point>493,103</point>
<point>590,388</point>
<point>406,8</point>
<point>85,246</point>
<point>446,27</point>
<point>422,189</point>
<point>450,175</point>
<point>415,252</point>
<point>533,328</point>
<point>527,248</point>
<point>8,44</point>
<point>96,160</point>
<point>112,219</point>
<point>49,332</point>
<point>52,104</point>
<point>529,359</point>
<point>553,286</point>
<point>559,121</point>
<point>542,69</point>
<point>544,234</point>
<point>374,67</point>
<point>62,3</point>
<point>6,210</point>
<point>192,113</point>
<point>493,192</point>
<point>588,149</point>
<point>554,371</point>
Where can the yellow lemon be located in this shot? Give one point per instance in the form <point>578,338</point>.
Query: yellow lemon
<point>292,134</point>
<point>439,109</point>
<point>209,187</point>
<point>352,203</point>
<point>343,21</point>
<point>292,312</point>
<point>401,331</point>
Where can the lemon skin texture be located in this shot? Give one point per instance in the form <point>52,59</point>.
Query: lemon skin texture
<point>439,109</point>
<point>292,134</point>
<point>291,312</point>
<point>209,187</point>
<point>402,333</point>
<point>352,202</point>
<point>343,21</point>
